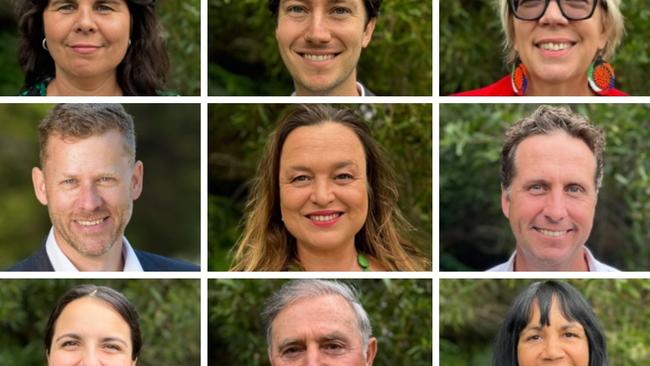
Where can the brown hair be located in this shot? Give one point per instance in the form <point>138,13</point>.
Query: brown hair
<point>266,245</point>
<point>143,70</point>
<point>545,120</point>
<point>79,121</point>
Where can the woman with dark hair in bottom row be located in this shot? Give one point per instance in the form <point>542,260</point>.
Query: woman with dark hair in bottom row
<point>550,323</point>
<point>92,325</point>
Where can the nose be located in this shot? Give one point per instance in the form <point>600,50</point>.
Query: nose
<point>318,30</point>
<point>90,358</point>
<point>553,14</point>
<point>555,207</point>
<point>552,350</point>
<point>312,357</point>
<point>85,22</point>
<point>90,198</point>
<point>322,193</point>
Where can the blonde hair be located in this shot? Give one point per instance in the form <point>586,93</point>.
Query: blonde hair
<point>612,20</point>
<point>266,244</point>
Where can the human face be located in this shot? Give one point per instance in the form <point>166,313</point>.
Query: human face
<point>323,187</point>
<point>551,201</point>
<point>319,331</point>
<point>88,186</point>
<point>87,38</point>
<point>557,51</point>
<point>320,42</point>
<point>90,332</point>
<point>563,342</point>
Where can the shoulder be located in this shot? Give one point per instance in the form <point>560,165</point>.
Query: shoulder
<point>616,93</point>
<point>501,88</point>
<point>37,90</point>
<point>155,262</point>
<point>39,261</point>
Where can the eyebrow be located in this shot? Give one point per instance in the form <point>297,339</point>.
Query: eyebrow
<point>78,337</point>
<point>334,336</point>
<point>564,327</point>
<point>338,165</point>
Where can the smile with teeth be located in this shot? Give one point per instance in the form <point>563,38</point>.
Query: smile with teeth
<point>90,222</point>
<point>323,218</point>
<point>553,46</point>
<point>552,233</point>
<point>312,57</point>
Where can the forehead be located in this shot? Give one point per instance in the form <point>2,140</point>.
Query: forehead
<point>90,316</point>
<point>556,152</point>
<point>105,149</point>
<point>322,142</point>
<point>315,316</point>
<point>555,316</point>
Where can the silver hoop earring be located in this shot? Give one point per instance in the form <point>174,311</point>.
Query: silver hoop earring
<point>44,44</point>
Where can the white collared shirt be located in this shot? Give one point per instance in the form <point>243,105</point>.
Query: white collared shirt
<point>360,89</point>
<point>61,263</point>
<point>594,264</point>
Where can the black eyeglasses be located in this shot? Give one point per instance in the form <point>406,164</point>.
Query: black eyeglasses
<point>570,9</point>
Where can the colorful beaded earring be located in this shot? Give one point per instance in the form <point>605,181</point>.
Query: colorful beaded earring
<point>519,77</point>
<point>601,76</point>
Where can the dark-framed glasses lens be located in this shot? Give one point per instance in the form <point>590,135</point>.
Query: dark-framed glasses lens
<point>571,9</point>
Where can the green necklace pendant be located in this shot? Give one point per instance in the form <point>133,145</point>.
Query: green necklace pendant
<point>363,262</point>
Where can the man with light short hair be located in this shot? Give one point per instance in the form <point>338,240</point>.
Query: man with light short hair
<point>316,322</point>
<point>88,178</point>
<point>551,171</point>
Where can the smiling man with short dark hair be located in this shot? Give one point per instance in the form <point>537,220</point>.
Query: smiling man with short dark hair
<point>320,42</point>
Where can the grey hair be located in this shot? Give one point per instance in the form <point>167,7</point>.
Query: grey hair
<point>297,290</point>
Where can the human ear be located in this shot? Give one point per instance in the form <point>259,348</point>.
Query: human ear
<point>371,351</point>
<point>38,179</point>
<point>137,177</point>
<point>367,33</point>
<point>505,202</point>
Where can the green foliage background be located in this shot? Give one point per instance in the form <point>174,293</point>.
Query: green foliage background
<point>471,53</point>
<point>399,310</point>
<point>244,60</point>
<point>471,312</point>
<point>474,235</point>
<point>236,137</point>
<point>165,218</point>
<point>169,318</point>
<point>180,20</point>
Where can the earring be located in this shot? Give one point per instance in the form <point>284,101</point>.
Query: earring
<point>129,43</point>
<point>519,77</point>
<point>44,44</point>
<point>601,76</point>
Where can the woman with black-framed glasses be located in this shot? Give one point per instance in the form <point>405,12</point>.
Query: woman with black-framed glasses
<point>558,47</point>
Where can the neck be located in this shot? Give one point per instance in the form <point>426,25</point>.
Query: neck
<point>339,259</point>
<point>109,261</point>
<point>578,87</point>
<point>101,85</point>
<point>346,88</point>
<point>577,263</point>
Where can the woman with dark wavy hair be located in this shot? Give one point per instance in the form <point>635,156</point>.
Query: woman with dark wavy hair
<point>91,47</point>
<point>324,199</point>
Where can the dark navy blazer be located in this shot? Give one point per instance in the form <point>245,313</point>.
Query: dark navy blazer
<point>39,261</point>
